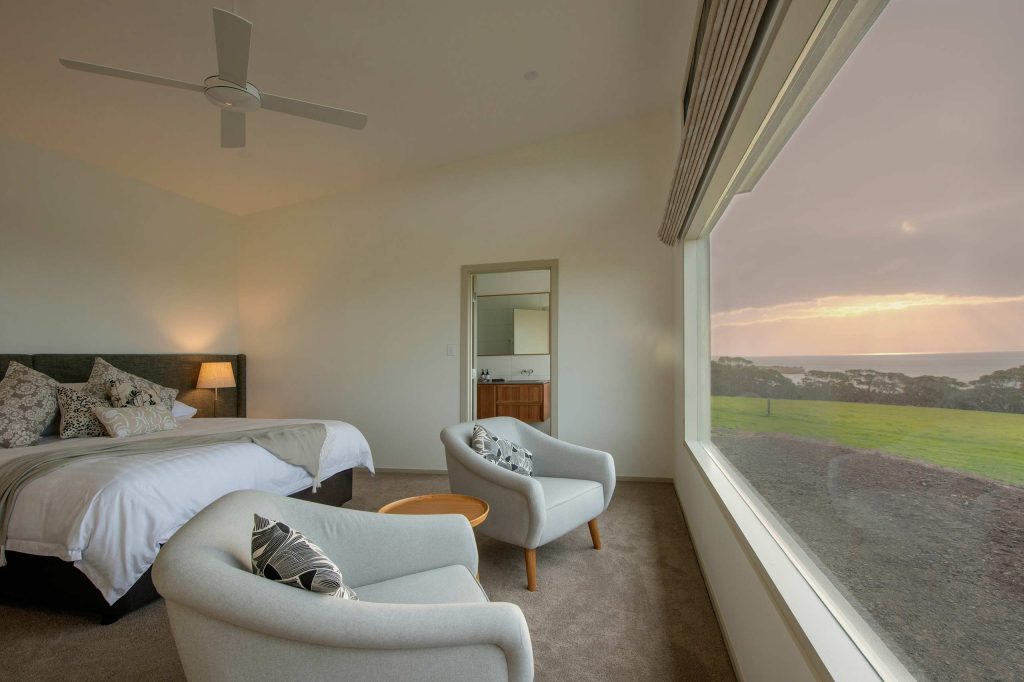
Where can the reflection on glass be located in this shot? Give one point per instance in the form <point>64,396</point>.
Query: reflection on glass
<point>514,324</point>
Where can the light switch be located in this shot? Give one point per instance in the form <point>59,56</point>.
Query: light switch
<point>451,350</point>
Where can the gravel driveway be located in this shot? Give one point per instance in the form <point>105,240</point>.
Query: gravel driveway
<point>933,556</point>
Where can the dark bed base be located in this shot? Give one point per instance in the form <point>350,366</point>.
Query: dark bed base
<point>54,583</point>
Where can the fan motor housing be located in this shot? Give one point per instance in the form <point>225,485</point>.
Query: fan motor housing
<point>231,96</point>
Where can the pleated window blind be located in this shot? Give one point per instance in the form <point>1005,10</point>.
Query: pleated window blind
<point>724,41</point>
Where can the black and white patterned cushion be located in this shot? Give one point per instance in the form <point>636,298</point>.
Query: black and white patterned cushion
<point>129,394</point>
<point>287,556</point>
<point>104,376</point>
<point>501,451</point>
<point>28,402</point>
<point>77,419</point>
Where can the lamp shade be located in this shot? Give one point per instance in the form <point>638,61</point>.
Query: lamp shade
<point>216,375</point>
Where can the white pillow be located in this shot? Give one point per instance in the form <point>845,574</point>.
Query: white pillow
<point>183,411</point>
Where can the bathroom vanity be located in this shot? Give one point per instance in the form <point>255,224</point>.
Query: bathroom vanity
<point>526,400</point>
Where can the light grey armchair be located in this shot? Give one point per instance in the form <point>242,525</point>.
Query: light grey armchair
<point>421,614</point>
<point>571,485</point>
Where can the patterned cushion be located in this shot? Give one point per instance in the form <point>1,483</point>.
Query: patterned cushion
<point>28,402</point>
<point>104,375</point>
<point>77,419</point>
<point>129,394</point>
<point>53,428</point>
<point>504,453</point>
<point>120,422</point>
<point>288,557</point>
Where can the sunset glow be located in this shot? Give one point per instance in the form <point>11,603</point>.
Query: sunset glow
<point>894,323</point>
<point>851,306</point>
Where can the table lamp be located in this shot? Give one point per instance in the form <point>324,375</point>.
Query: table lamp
<point>216,375</point>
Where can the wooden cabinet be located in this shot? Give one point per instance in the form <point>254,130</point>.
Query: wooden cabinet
<point>526,402</point>
<point>486,401</point>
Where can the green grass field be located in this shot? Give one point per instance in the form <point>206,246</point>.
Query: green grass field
<point>989,444</point>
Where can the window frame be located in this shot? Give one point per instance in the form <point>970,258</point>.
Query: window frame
<point>830,631</point>
<point>835,639</point>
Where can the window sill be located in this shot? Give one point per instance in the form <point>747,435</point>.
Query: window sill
<point>831,634</point>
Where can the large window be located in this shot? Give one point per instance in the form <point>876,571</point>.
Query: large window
<point>867,331</point>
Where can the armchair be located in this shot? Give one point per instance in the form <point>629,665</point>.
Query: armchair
<point>571,485</point>
<point>421,614</point>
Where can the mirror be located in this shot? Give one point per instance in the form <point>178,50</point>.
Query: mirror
<point>513,324</point>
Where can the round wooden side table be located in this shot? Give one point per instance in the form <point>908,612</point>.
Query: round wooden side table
<point>473,508</point>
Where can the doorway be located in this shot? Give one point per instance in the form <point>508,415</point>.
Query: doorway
<point>509,342</point>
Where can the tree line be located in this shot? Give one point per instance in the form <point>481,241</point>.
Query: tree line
<point>1000,391</point>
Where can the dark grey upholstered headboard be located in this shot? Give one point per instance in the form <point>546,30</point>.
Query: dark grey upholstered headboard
<point>171,370</point>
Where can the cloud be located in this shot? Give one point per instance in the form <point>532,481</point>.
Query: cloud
<point>897,323</point>
<point>850,306</point>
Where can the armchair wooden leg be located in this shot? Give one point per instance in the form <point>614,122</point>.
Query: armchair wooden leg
<point>595,534</point>
<point>531,570</point>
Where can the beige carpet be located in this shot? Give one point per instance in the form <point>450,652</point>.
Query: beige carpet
<point>636,610</point>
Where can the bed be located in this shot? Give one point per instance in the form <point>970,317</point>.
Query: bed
<point>84,536</point>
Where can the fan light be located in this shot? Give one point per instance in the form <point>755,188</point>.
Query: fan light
<point>226,95</point>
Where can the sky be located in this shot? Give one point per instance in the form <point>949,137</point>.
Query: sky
<point>893,220</point>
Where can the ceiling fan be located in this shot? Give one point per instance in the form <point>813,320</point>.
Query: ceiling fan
<point>230,90</point>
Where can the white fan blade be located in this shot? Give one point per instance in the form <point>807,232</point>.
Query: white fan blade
<point>232,129</point>
<point>233,34</point>
<point>317,112</point>
<point>130,75</point>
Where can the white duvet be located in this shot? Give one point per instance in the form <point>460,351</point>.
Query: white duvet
<point>110,515</point>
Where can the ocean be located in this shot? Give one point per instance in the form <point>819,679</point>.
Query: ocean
<point>962,366</point>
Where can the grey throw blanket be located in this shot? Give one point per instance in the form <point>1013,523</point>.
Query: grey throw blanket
<point>298,444</point>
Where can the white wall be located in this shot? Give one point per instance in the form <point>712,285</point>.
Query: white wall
<point>512,366</point>
<point>519,282</point>
<point>348,302</point>
<point>761,642</point>
<point>95,262</point>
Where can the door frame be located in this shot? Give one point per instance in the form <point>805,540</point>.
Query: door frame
<point>466,330</point>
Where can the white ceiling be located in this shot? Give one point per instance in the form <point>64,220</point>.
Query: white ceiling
<point>441,80</point>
